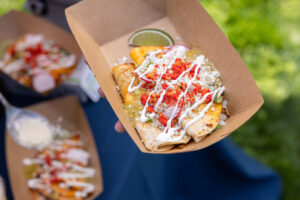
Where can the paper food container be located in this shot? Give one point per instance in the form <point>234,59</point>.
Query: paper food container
<point>73,119</point>
<point>102,29</point>
<point>15,24</point>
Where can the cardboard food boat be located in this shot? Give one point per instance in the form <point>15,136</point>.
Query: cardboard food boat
<point>102,29</point>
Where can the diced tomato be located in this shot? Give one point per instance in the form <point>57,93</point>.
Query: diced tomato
<point>54,179</point>
<point>178,61</point>
<point>38,49</point>
<point>27,59</point>
<point>173,76</point>
<point>57,156</point>
<point>208,98</point>
<point>164,86</point>
<point>183,86</point>
<point>53,171</point>
<point>166,77</point>
<point>178,68</point>
<point>48,160</point>
<point>204,91</point>
<point>180,106</point>
<point>193,69</point>
<point>144,85</point>
<point>147,85</point>
<point>150,109</point>
<point>34,64</point>
<point>197,88</point>
<point>79,163</point>
<point>174,121</point>
<point>153,98</point>
<point>150,76</point>
<point>144,98</point>
<point>163,119</point>
<point>12,52</point>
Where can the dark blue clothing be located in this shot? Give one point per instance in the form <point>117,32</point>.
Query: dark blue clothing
<point>221,171</point>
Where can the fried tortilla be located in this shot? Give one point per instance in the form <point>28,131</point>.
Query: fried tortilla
<point>199,129</point>
<point>125,76</point>
<point>138,54</point>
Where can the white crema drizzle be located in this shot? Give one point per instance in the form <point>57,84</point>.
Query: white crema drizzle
<point>69,172</point>
<point>169,58</point>
<point>169,136</point>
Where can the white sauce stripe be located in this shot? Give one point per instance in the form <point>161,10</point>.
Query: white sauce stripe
<point>172,134</point>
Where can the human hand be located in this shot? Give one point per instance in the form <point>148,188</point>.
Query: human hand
<point>118,125</point>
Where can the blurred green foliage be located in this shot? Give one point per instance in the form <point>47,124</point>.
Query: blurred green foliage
<point>6,5</point>
<point>266,33</point>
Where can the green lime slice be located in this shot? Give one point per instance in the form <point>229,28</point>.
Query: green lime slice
<point>150,37</point>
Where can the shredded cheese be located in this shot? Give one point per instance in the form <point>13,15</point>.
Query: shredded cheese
<point>33,132</point>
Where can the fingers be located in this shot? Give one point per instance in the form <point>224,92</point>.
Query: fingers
<point>119,127</point>
<point>100,91</point>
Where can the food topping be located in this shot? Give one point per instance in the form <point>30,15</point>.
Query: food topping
<point>174,86</point>
<point>32,55</point>
<point>61,170</point>
<point>33,132</point>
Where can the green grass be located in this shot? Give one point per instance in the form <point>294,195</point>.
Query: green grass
<point>266,33</point>
<point>267,36</point>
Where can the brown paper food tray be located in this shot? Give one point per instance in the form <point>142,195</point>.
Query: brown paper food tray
<point>73,119</point>
<point>102,29</point>
<point>15,24</point>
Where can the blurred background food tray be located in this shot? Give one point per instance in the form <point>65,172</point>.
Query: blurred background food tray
<point>16,24</point>
<point>73,118</point>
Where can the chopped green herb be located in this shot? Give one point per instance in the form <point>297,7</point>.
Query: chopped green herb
<point>218,127</point>
<point>150,63</point>
<point>149,120</point>
<point>218,99</point>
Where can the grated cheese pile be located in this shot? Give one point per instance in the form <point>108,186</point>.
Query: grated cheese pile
<point>33,132</point>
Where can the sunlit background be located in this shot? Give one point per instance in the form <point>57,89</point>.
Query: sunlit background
<point>266,33</point>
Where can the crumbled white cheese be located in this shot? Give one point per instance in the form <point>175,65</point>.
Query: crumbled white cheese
<point>222,123</point>
<point>122,61</point>
<point>223,117</point>
<point>33,132</point>
<point>225,104</point>
<point>77,155</point>
<point>29,41</point>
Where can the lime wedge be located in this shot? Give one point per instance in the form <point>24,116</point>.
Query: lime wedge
<point>150,37</point>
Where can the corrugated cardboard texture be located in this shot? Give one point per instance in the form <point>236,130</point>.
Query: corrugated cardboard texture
<point>73,119</point>
<point>102,29</point>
